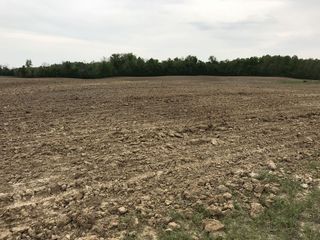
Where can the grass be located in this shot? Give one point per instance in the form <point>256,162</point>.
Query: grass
<point>191,225</point>
<point>175,235</point>
<point>281,221</point>
<point>300,81</point>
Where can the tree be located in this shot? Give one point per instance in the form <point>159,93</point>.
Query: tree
<point>28,63</point>
<point>130,65</point>
<point>213,59</point>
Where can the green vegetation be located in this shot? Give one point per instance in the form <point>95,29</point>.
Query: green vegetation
<point>281,221</point>
<point>299,81</point>
<point>175,235</point>
<point>131,65</point>
<point>291,216</point>
<point>284,219</point>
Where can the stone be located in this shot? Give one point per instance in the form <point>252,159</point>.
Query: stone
<point>178,135</point>
<point>114,223</point>
<point>270,200</point>
<point>228,206</point>
<point>214,210</point>
<point>218,235</point>
<point>89,237</point>
<point>253,175</point>
<point>4,198</point>
<point>274,189</point>
<point>31,232</point>
<point>63,220</point>
<point>304,185</point>
<point>212,225</point>
<point>309,139</point>
<point>271,165</point>
<point>256,209</point>
<point>135,222</point>
<point>214,141</point>
<point>173,225</point>
<point>149,233</point>
<point>259,188</point>
<point>5,234</point>
<point>248,186</point>
<point>122,210</point>
<point>223,188</point>
<point>20,229</point>
<point>227,195</point>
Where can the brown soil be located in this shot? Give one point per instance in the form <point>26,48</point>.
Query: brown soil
<point>72,152</point>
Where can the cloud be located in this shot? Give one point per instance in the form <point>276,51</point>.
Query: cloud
<point>52,31</point>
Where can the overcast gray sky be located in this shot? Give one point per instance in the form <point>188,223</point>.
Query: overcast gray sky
<point>51,31</point>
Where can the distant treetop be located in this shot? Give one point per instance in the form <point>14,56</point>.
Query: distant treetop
<point>130,65</point>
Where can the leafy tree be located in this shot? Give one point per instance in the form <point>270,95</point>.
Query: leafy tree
<point>130,65</point>
<point>28,63</point>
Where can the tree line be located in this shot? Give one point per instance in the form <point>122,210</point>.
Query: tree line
<point>130,65</point>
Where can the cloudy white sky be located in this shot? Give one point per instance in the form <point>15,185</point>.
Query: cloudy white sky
<point>51,31</point>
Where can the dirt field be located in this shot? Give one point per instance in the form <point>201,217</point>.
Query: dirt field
<point>114,158</point>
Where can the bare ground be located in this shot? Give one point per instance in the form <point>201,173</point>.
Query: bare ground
<point>79,157</point>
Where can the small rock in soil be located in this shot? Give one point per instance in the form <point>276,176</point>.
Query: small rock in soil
<point>212,225</point>
<point>227,196</point>
<point>256,209</point>
<point>122,210</point>
<point>271,165</point>
<point>214,141</point>
<point>173,225</point>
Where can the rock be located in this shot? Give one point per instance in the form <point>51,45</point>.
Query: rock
<point>4,198</point>
<point>89,237</point>
<point>122,210</point>
<point>239,172</point>
<point>169,146</point>
<point>212,225</point>
<point>132,234</point>
<point>114,223</point>
<point>159,174</point>
<point>218,199</point>
<point>215,211</point>
<point>256,209</point>
<point>20,229</point>
<point>5,234</point>
<point>178,135</point>
<point>199,141</point>
<point>149,233</point>
<point>271,165</point>
<point>273,189</point>
<point>31,232</point>
<point>63,220</point>
<point>309,139</point>
<point>173,225</point>
<point>227,195</point>
<point>218,235</point>
<point>248,186</point>
<point>223,188</point>
<point>228,206</point>
<point>214,141</point>
<point>270,199</point>
<point>253,175</point>
<point>304,185</point>
<point>259,188</point>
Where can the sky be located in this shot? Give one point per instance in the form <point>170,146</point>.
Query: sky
<point>52,31</point>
